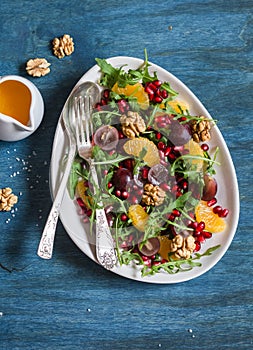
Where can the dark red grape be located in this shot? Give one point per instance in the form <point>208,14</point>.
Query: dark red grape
<point>106,137</point>
<point>179,133</point>
<point>210,188</point>
<point>121,178</point>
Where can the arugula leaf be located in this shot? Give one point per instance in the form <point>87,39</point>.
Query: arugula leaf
<point>75,172</point>
<point>110,74</point>
<point>175,266</point>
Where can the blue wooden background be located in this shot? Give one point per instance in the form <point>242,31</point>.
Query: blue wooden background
<point>70,302</point>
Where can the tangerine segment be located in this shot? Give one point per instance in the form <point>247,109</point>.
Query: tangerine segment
<point>165,247</point>
<point>195,150</point>
<point>213,223</point>
<point>138,216</point>
<point>136,145</point>
<point>178,106</point>
<point>136,90</point>
<point>81,192</point>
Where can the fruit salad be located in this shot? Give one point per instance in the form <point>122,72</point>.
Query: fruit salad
<point>156,173</point>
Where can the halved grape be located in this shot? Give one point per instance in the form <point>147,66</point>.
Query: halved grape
<point>150,247</point>
<point>158,174</point>
<point>179,133</point>
<point>106,137</point>
<point>210,188</point>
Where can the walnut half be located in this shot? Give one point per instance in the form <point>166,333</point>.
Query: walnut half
<point>153,195</point>
<point>201,130</point>
<point>132,124</point>
<point>63,46</point>
<point>7,199</point>
<point>37,67</point>
<point>183,247</point>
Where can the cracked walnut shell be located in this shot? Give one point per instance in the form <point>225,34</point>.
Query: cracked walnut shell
<point>132,124</point>
<point>63,46</point>
<point>201,130</point>
<point>7,199</point>
<point>153,195</point>
<point>37,67</point>
<point>182,247</point>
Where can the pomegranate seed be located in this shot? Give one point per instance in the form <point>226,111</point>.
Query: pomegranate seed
<point>161,145</point>
<point>184,185</point>
<point>80,202</point>
<point>158,99</point>
<point>217,209</point>
<point>200,227</point>
<point>98,106</point>
<point>224,213</point>
<point>174,189</point>
<point>149,90</point>
<point>164,94</point>
<point>148,263</point>
<point>163,261</point>
<point>153,86</point>
<point>124,195</point>
<point>156,263</point>
<point>86,220</point>
<point>144,258</point>
<point>106,94</point>
<point>103,102</point>
<point>144,173</point>
<point>118,193</point>
<point>197,246</point>
<point>201,238</point>
<point>167,151</point>
<point>158,135</point>
<point>179,194</point>
<point>207,234</point>
<point>157,83</point>
<point>205,147</point>
<point>211,202</point>
<point>193,225</point>
<point>89,212</point>
<point>123,217</point>
<point>171,217</point>
<point>172,157</point>
<point>176,212</point>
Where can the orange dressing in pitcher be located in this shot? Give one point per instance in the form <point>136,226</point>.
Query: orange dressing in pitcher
<point>15,100</point>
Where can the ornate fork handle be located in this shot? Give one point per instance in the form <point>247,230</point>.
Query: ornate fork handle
<point>45,249</point>
<point>104,242</point>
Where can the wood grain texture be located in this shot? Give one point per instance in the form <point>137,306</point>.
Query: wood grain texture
<point>70,302</point>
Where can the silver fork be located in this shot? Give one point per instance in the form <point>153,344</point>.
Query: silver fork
<point>105,249</point>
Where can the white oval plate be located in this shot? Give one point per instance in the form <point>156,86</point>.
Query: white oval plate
<point>228,195</point>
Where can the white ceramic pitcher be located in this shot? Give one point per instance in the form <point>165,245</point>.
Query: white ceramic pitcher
<point>12,129</point>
